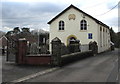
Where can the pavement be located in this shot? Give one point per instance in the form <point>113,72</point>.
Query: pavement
<point>100,68</point>
<point>12,71</point>
<point>119,65</point>
<point>0,69</point>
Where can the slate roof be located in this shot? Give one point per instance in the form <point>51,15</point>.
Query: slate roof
<point>72,6</point>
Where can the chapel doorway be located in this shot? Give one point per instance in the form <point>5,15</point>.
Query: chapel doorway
<point>71,39</point>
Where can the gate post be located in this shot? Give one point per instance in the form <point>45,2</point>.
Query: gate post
<point>94,47</point>
<point>22,50</point>
<point>56,52</point>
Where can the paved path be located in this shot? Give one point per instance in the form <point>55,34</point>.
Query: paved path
<point>11,71</point>
<point>99,68</point>
<point>0,69</point>
<point>119,65</point>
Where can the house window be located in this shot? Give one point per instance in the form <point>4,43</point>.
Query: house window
<point>83,25</point>
<point>101,36</point>
<point>106,30</point>
<point>90,36</point>
<point>61,25</point>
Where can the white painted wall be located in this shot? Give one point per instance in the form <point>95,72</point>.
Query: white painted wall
<point>105,39</point>
<point>72,27</point>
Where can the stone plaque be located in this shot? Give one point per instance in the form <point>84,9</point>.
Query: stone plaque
<point>71,16</point>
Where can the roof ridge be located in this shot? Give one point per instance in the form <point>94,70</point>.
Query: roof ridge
<point>97,21</point>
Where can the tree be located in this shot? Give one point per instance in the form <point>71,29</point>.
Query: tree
<point>26,30</point>
<point>9,34</point>
<point>114,37</point>
<point>16,30</point>
<point>16,34</point>
<point>118,42</point>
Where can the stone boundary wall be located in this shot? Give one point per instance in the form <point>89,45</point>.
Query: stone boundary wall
<point>84,47</point>
<point>38,59</point>
<point>60,53</point>
<point>65,59</point>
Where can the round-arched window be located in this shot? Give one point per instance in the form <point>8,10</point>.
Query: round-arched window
<point>83,25</point>
<point>61,25</point>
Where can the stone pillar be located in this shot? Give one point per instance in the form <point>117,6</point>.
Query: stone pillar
<point>91,45</point>
<point>22,50</point>
<point>56,52</point>
<point>94,47</point>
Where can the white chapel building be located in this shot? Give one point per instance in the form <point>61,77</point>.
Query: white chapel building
<point>73,23</point>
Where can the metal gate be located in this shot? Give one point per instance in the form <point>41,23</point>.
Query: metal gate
<point>11,50</point>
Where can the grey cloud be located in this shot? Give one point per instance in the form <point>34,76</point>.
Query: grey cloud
<point>112,21</point>
<point>14,22</point>
<point>12,10</point>
<point>22,10</point>
<point>37,14</point>
<point>46,7</point>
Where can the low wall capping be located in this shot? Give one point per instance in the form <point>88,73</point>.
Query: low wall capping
<point>38,55</point>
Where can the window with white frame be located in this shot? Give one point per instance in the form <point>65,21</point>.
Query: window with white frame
<point>61,25</point>
<point>83,25</point>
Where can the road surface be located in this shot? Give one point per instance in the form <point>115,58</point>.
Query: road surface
<point>100,68</point>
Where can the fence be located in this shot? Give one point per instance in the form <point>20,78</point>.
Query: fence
<point>11,50</point>
<point>34,48</point>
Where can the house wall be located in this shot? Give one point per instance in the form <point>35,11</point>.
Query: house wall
<point>104,38</point>
<point>3,42</point>
<point>72,28</point>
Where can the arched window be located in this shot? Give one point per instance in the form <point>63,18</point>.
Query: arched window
<point>61,25</point>
<point>83,25</point>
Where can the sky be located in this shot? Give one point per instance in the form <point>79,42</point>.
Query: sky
<point>36,13</point>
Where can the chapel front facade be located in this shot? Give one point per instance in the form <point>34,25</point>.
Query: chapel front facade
<point>73,23</point>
